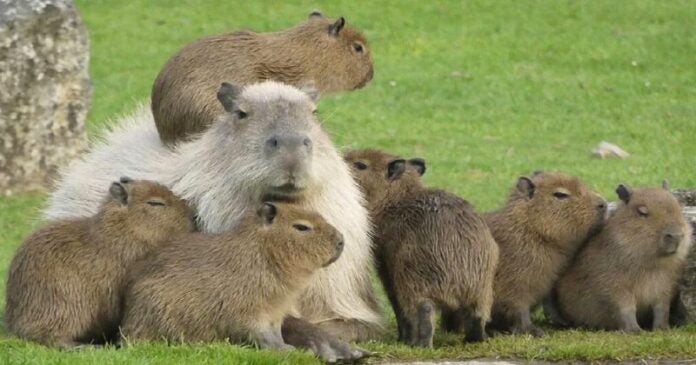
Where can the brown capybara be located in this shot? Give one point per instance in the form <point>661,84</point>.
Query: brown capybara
<point>321,53</point>
<point>544,222</point>
<point>433,249</point>
<point>65,282</point>
<point>235,286</point>
<point>631,268</point>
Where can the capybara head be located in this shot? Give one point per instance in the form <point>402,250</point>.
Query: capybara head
<point>145,211</point>
<point>651,220</point>
<point>270,131</point>
<point>383,177</point>
<point>296,238</point>
<point>559,208</point>
<point>341,58</point>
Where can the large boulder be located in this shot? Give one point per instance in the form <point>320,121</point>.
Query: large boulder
<point>44,90</point>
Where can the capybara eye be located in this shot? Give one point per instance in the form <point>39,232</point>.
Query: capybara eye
<point>360,166</point>
<point>241,114</point>
<point>358,47</point>
<point>642,211</point>
<point>561,195</point>
<point>301,227</point>
<point>155,203</point>
<point>273,142</point>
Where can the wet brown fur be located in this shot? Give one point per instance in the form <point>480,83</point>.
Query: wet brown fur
<point>184,94</point>
<point>433,249</point>
<point>235,286</point>
<point>538,234</point>
<point>65,281</point>
<point>624,271</point>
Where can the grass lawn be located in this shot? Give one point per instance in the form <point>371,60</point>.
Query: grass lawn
<point>484,92</point>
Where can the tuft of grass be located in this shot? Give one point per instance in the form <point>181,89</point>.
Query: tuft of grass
<point>483,91</point>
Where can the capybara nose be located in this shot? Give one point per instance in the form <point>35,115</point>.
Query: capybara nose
<point>671,241</point>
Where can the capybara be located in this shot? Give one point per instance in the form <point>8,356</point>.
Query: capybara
<point>321,52</point>
<point>546,218</point>
<point>65,282</point>
<point>631,268</point>
<point>271,145</point>
<point>433,249</point>
<point>235,286</point>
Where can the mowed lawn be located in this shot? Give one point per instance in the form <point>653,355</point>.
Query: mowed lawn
<point>484,92</point>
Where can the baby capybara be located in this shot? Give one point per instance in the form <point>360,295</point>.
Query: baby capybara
<point>235,286</point>
<point>544,222</point>
<point>65,282</point>
<point>630,269</point>
<point>433,249</point>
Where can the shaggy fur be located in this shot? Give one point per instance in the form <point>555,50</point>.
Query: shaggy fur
<point>65,282</point>
<point>320,52</point>
<point>433,249</point>
<point>234,286</point>
<point>631,268</point>
<point>544,222</point>
<point>227,171</point>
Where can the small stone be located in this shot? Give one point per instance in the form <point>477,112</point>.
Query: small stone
<point>606,149</point>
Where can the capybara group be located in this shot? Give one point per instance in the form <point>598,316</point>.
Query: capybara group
<point>433,249</point>
<point>65,282</point>
<point>630,269</point>
<point>545,220</point>
<point>235,286</point>
<point>321,52</point>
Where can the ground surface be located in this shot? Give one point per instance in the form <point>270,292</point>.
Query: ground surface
<point>483,92</point>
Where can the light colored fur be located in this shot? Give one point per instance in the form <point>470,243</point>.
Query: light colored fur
<point>223,184</point>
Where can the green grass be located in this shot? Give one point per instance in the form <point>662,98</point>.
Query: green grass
<point>484,91</point>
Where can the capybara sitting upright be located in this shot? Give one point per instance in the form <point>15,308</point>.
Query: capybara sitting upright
<point>544,222</point>
<point>321,52</point>
<point>433,249</point>
<point>235,286</point>
<point>631,268</point>
<point>65,282</point>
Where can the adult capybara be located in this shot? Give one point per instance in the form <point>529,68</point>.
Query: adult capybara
<point>545,220</point>
<point>321,52</point>
<point>235,286</point>
<point>268,144</point>
<point>65,282</point>
<point>630,269</point>
<point>433,249</point>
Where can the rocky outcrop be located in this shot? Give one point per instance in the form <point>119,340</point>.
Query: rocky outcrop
<point>44,90</point>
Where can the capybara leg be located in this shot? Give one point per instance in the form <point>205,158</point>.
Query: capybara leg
<point>551,311</point>
<point>270,338</point>
<point>351,330</point>
<point>661,316</point>
<point>405,327</point>
<point>475,325</point>
<point>629,322</point>
<point>302,334</point>
<point>424,320</point>
<point>523,324</point>
<point>678,314</point>
<point>452,321</point>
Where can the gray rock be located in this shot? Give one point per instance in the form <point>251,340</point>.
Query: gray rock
<point>44,91</point>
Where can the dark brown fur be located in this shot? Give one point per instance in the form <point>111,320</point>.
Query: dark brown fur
<point>544,222</point>
<point>631,268</point>
<point>65,281</point>
<point>183,96</point>
<point>235,286</point>
<point>433,249</point>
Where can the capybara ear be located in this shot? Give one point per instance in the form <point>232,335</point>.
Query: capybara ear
<point>395,169</point>
<point>227,94</point>
<point>665,184</point>
<point>624,193</point>
<point>526,186</point>
<point>337,26</point>
<point>316,14</point>
<point>125,180</point>
<point>310,88</point>
<point>418,164</point>
<point>119,193</point>
<point>268,212</point>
